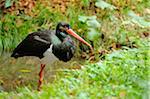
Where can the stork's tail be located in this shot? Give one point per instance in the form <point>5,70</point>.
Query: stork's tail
<point>15,55</point>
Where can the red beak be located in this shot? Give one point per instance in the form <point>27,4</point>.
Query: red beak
<point>71,32</point>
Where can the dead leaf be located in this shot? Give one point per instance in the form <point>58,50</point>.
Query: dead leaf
<point>25,70</point>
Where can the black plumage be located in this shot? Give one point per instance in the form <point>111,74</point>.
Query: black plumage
<point>32,46</point>
<point>65,50</point>
<point>36,43</point>
<point>47,43</point>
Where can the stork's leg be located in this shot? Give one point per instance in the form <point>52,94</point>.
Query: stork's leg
<point>41,77</point>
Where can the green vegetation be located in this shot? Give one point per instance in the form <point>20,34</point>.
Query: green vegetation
<point>111,25</point>
<point>118,29</point>
<point>123,74</point>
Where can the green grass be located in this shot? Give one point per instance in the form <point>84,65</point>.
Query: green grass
<point>115,29</point>
<point>123,74</point>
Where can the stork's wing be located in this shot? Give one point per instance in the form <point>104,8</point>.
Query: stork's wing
<point>35,44</point>
<point>65,50</point>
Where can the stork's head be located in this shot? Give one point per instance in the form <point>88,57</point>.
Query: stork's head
<point>63,29</point>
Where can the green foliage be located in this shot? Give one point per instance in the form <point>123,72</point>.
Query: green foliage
<point>93,26</point>
<point>90,21</point>
<point>14,28</point>
<point>93,34</point>
<point>138,20</point>
<point>8,3</point>
<point>86,2</point>
<point>104,5</point>
<point>123,74</point>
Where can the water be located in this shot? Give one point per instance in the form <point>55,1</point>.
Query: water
<point>24,71</point>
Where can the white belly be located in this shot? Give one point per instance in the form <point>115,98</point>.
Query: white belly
<point>49,57</point>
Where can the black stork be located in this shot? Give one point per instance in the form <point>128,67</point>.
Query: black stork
<point>49,46</point>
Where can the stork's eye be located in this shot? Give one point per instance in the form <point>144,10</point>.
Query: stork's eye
<point>62,28</point>
<point>67,26</point>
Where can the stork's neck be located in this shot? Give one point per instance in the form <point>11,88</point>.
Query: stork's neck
<point>61,35</point>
